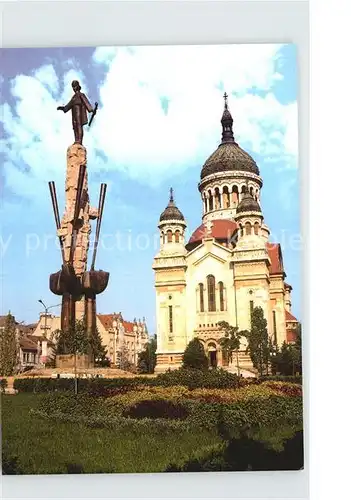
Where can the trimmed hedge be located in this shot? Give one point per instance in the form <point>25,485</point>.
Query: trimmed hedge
<point>84,385</point>
<point>212,379</point>
<point>281,378</point>
<point>3,384</point>
<point>193,379</point>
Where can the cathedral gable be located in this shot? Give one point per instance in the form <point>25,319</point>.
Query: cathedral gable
<point>209,256</point>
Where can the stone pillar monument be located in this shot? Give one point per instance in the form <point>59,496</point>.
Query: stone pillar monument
<point>77,285</point>
<point>77,156</point>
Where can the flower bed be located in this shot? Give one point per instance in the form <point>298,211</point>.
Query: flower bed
<point>247,407</point>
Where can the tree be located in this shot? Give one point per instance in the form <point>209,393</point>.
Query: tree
<point>76,341</point>
<point>73,340</point>
<point>231,341</point>
<point>98,350</point>
<point>194,356</point>
<point>288,359</point>
<point>8,347</point>
<point>124,362</point>
<point>298,351</point>
<point>283,360</point>
<point>258,341</point>
<point>147,357</point>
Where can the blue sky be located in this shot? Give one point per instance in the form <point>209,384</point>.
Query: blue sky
<point>158,121</point>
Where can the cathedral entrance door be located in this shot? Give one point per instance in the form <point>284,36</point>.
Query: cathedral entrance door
<point>212,353</point>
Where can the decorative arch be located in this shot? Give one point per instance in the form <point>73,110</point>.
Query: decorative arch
<point>212,352</point>
<point>256,227</point>
<point>177,236</point>
<point>211,293</point>
<point>169,236</point>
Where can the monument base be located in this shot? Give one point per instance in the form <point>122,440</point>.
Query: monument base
<point>72,361</point>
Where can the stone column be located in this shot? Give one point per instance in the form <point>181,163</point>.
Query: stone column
<point>76,156</point>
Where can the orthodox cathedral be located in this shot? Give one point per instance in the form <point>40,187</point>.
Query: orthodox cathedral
<point>227,267</point>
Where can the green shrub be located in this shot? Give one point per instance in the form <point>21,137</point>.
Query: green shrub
<point>194,356</point>
<point>245,454</point>
<point>193,379</point>
<point>10,466</point>
<point>3,384</point>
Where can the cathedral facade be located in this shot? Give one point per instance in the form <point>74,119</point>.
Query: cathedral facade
<point>226,268</point>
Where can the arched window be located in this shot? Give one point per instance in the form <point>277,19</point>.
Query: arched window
<point>211,293</point>
<point>241,230</point>
<point>251,190</point>
<point>169,236</point>
<point>202,304</point>
<point>221,296</point>
<point>235,195</point>
<point>177,236</point>
<point>217,199</point>
<point>256,227</point>
<point>210,200</point>
<point>247,228</point>
<point>226,201</point>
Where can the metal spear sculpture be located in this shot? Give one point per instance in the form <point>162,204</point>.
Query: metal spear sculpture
<point>77,286</point>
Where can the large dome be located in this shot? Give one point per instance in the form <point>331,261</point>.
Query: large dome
<point>229,157</point>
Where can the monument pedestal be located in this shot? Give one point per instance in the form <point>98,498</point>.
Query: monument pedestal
<point>71,361</point>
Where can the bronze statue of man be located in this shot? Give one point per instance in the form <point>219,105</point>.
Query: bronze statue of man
<point>79,104</point>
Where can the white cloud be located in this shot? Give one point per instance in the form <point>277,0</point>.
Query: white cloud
<point>131,127</point>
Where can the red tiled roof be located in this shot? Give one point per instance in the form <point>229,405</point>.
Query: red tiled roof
<point>107,319</point>
<point>275,254</point>
<point>128,326</point>
<point>222,229</point>
<point>289,316</point>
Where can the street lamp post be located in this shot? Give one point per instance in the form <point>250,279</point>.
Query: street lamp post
<point>46,315</point>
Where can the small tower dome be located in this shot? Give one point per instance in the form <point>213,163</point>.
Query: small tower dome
<point>172,225</point>
<point>248,204</point>
<point>171,212</point>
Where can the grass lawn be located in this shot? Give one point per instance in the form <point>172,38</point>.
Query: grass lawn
<point>44,447</point>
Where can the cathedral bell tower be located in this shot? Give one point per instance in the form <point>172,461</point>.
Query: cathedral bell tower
<point>251,261</point>
<point>170,282</point>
